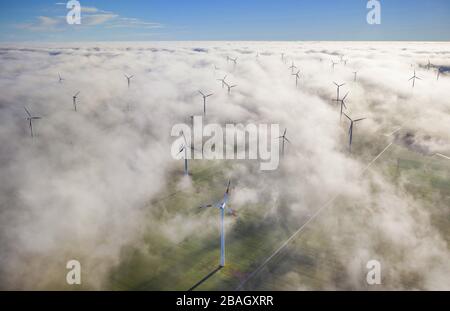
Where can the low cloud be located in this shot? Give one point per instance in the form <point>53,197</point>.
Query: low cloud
<point>88,184</point>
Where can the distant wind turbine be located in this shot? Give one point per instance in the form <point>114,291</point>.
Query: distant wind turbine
<point>438,73</point>
<point>297,77</point>
<point>30,119</point>
<point>74,99</point>
<point>230,87</point>
<point>222,207</point>
<point>223,81</point>
<point>292,68</point>
<point>284,139</point>
<point>333,64</point>
<point>60,78</point>
<point>355,74</point>
<point>338,90</point>
<point>129,79</point>
<point>350,132</point>
<point>343,105</point>
<point>204,101</point>
<point>414,79</point>
<point>184,148</point>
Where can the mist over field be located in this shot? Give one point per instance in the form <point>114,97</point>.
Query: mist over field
<point>89,184</point>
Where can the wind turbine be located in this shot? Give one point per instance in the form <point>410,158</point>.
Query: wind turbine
<point>204,101</point>
<point>429,65</point>
<point>222,207</point>
<point>352,123</point>
<point>414,78</point>
<point>439,73</point>
<point>129,79</point>
<point>230,87</point>
<point>355,74</point>
<point>223,81</point>
<point>292,68</point>
<point>297,77</point>
<point>333,64</point>
<point>30,119</point>
<point>74,98</point>
<point>234,60</point>
<point>343,105</point>
<point>338,89</point>
<point>282,57</point>
<point>60,78</point>
<point>184,148</point>
<point>284,139</point>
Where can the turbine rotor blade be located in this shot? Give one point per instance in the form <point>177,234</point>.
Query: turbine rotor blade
<point>206,206</point>
<point>348,117</point>
<point>29,114</point>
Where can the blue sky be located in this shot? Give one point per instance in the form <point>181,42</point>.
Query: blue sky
<point>140,20</point>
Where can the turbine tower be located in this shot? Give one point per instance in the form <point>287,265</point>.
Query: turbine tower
<point>204,101</point>
<point>343,105</point>
<point>284,139</point>
<point>184,148</point>
<point>222,207</point>
<point>350,132</point>
<point>297,77</point>
<point>414,78</point>
<point>74,99</point>
<point>223,81</point>
<point>338,90</point>
<point>292,68</point>
<point>333,64</point>
<point>129,79</point>
<point>30,119</point>
<point>230,87</point>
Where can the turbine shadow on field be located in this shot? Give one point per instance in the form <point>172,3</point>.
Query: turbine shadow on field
<point>205,278</point>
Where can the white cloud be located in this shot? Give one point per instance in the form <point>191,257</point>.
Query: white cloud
<point>98,19</point>
<point>90,17</point>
